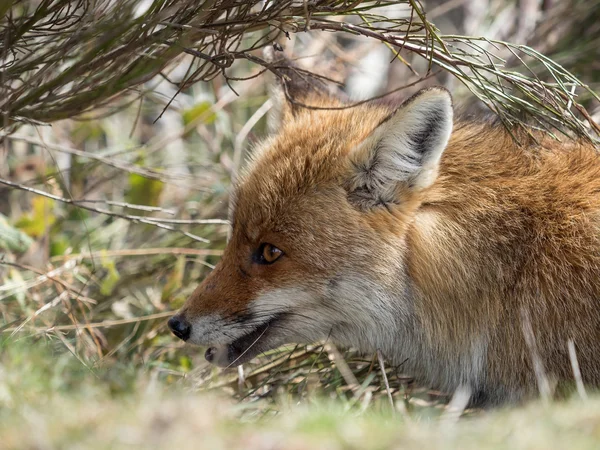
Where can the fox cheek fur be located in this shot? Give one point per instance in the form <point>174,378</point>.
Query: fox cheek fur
<point>441,243</point>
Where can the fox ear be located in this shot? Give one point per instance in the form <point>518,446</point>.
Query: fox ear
<point>404,151</point>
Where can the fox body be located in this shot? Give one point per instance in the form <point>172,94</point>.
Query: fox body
<point>467,258</point>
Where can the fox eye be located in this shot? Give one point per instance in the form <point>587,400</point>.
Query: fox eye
<point>268,254</point>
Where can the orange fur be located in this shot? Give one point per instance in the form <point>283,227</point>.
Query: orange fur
<point>506,233</point>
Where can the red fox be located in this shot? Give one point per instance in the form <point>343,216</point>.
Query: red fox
<point>443,244</point>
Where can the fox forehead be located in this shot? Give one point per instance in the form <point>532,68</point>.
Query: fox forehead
<point>286,173</point>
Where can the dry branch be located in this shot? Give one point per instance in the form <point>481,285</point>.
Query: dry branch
<point>60,57</point>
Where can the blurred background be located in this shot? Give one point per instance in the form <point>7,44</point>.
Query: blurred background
<point>112,214</point>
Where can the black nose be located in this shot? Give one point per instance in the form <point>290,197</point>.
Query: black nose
<point>180,327</point>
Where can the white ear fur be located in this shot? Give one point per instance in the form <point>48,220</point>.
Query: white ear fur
<point>405,148</point>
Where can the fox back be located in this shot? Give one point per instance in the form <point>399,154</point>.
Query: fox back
<point>469,259</point>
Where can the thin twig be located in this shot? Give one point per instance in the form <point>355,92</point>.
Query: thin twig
<point>576,371</point>
<point>538,365</point>
<point>104,324</point>
<point>159,223</point>
<point>139,252</point>
<point>385,380</point>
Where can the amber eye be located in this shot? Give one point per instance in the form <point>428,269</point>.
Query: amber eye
<point>268,254</point>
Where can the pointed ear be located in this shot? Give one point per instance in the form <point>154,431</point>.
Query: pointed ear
<point>404,151</point>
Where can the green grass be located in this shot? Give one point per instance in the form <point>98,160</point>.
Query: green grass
<point>49,399</point>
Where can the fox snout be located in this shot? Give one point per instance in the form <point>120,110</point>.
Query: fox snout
<point>224,313</point>
<point>230,340</point>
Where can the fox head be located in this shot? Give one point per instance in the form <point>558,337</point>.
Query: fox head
<point>319,229</point>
